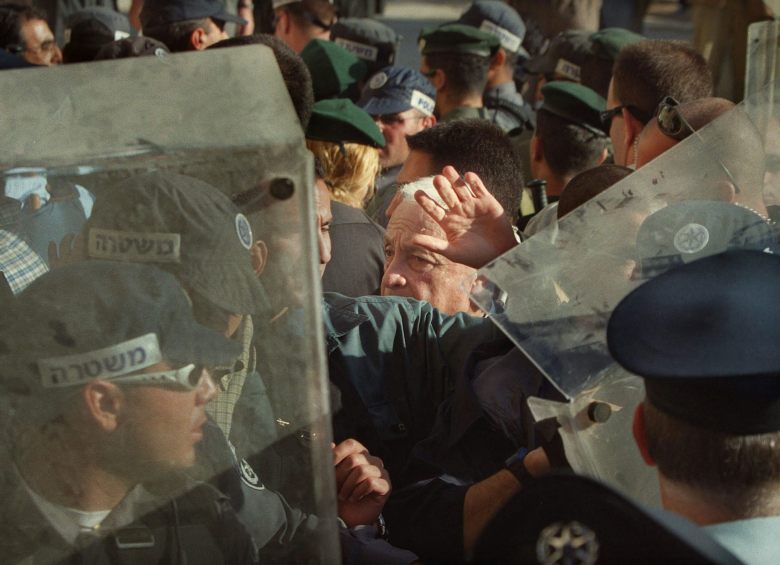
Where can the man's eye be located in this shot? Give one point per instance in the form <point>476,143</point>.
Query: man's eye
<point>325,227</point>
<point>388,252</point>
<point>420,262</point>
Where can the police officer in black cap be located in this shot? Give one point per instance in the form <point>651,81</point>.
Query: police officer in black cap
<point>704,338</point>
<point>106,390</point>
<point>187,25</point>
<point>510,111</point>
<point>369,39</point>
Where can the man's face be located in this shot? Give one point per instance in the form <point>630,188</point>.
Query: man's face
<point>324,219</point>
<point>395,128</point>
<point>617,127</point>
<point>414,272</point>
<point>215,32</point>
<point>40,48</point>
<point>161,425</point>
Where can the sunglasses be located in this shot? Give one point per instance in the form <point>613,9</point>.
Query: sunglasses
<point>670,121</point>
<point>187,378</point>
<point>608,115</point>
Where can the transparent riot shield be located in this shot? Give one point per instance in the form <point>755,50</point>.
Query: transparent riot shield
<point>553,294</point>
<point>192,165</point>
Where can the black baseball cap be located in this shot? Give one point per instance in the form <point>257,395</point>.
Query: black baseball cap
<point>704,337</point>
<point>102,319</point>
<point>185,226</point>
<point>158,13</point>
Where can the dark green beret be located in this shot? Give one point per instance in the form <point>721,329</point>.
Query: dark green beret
<point>608,42</point>
<point>340,121</point>
<point>458,38</point>
<point>335,72</point>
<point>574,102</point>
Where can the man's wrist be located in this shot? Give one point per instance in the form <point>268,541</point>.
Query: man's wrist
<point>515,464</point>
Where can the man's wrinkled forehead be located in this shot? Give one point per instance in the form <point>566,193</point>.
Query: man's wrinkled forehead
<point>410,219</point>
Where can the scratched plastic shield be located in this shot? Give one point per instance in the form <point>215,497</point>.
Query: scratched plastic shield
<point>79,139</point>
<point>553,294</point>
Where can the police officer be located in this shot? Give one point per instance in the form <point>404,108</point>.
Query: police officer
<point>371,40</point>
<point>568,139</point>
<point>703,337</point>
<point>90,29</point>
<point>456,59</point>
<point>510,111</point>
<point>401,101</point>
<point>108,391</point>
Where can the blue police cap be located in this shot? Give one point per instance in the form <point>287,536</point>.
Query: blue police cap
<point>704,337</point>
<point>165,12</point>
<point>500,19</point>
<point>397,89</point>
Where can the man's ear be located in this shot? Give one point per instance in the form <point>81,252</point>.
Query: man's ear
<point>104,402</point>
<point>726,191</point>
<point>428,122</point>
<point>639,434</point>
<point>631,131</point>
<point>282,23</point>
<point>498,60</point>
<point>439,79</point>
<point>603,156</point>
<point>198,39</point>
<point>259,254</point>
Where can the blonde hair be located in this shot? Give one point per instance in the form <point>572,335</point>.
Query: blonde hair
<point>348,171</point>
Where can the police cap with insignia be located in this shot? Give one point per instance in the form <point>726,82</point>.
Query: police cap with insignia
<point>90,29</point>
<point>340,121</point>
<point>575,103</point>
<point>686,231</point>
<point>162,13</point>
<point>185,226</point>
<point>500,19</point>
<point>371,40</point>
<point>335,72</point>
<point>397,89</point>
<point>704,337</point>
<point>564,57</point>
<point>101,319</point>
<point>458,39</point>
<point>566,518</point>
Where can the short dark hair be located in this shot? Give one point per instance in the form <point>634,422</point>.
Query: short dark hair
<point>12,17</point>
<point>568,148</point>
<point>176,35</point>
<point>307,13</point>
<point>736,470</point>
<point>295,73</point>
<point>647,71</point>
<point>476,146</point>
<point>466,73</point>
<point>587,184</point>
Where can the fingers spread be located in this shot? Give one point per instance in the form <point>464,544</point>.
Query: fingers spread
<point>431,207</point>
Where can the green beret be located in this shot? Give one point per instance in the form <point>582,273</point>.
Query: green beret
<point>335,72</point>
<point>575,103</point>
<point>340,121</point>
<point>458,38</point>
<point>608,42</point>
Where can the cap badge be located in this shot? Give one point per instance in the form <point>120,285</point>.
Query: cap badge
<point>115,361</point>
<point>691,238</point>
<point>249,476</point>
<point>567,543</point>
<point>568,70</point>
<point>137,247</point>
<point>244,231</point>
<point>378,81</point>
<point>422,102</point>
<point>509,40</point>
<point>360,50</point>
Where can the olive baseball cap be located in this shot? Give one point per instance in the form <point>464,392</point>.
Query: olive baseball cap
<point>458,38</point>
<point>184,226</point>
<point>576,103</point>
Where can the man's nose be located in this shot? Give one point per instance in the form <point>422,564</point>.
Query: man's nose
<point>393,277</point>
<point>207,388</point>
